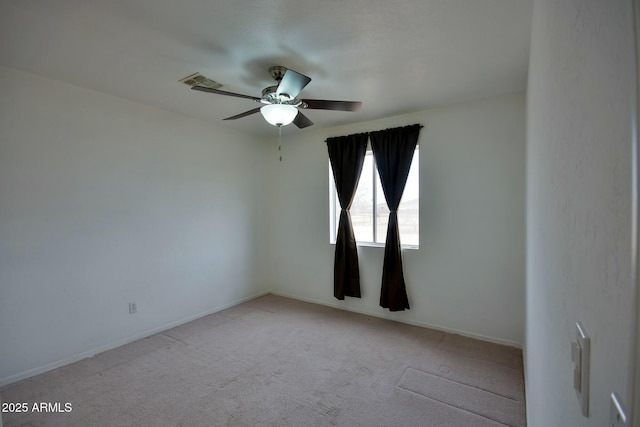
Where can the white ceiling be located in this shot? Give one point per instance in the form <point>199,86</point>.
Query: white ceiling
<point>394,56</point>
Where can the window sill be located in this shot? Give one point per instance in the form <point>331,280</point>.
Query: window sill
<point>381,245</point>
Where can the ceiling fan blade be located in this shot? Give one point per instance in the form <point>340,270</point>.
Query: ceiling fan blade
<point>246,113</point>
<point>222,92</point>
<point>292,83</point>
<point>301,120</point>
<point>322,104</point>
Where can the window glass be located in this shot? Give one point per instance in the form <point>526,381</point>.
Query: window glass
<point>369,211</point>
<point>361,212</point>
<point>408,212</point>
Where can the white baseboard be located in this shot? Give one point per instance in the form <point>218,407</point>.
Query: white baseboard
<point>92,352</point>
<point>526,381</point>
<point>339,306</point>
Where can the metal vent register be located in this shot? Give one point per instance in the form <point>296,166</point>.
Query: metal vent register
<point>198,79</point>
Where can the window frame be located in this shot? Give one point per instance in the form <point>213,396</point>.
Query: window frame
<point>333,207</point>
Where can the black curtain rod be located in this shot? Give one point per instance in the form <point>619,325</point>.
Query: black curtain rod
<point>399,127</point>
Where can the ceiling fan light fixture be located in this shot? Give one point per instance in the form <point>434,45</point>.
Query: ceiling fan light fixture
<point>279,114</point>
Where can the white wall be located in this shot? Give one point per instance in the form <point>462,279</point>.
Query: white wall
<point>578,205</point>
<point>468,275</point>
<point>104,201</point>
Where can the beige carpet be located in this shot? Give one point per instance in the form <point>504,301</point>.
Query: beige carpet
<point>275,361</point>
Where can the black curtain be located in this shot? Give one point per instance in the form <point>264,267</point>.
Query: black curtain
<point>393,150</point>
<point>346,154</point>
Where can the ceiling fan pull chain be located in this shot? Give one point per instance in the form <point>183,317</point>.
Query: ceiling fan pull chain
<point>280,142</point>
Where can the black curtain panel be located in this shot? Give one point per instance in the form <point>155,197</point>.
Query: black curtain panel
<point>346,154</point>
<point>393,150</point>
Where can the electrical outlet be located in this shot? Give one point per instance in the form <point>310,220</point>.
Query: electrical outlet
<point>133,308</point>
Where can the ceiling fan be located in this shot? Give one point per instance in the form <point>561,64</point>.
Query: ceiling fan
<point>281,101</point>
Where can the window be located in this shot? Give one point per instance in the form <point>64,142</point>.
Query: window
<point>369,211</point>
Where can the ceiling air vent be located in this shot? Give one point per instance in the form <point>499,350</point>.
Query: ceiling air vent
<point>198,79</point>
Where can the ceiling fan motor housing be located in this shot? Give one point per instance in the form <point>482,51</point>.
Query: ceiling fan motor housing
<point>269,96</point>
